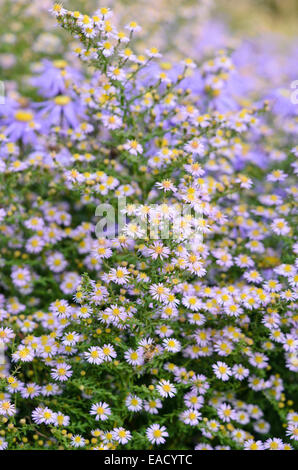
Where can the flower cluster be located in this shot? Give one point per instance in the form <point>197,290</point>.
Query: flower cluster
<point>177,327</point>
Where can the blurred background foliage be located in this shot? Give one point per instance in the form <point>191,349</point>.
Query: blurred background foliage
<point>257,16</point>
<point>28,32</point>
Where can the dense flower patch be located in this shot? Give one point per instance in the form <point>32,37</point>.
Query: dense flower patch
<point>180,329</point>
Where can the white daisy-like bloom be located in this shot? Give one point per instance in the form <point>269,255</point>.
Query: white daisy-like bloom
<point>159,292</point>
<point>157,250</point>
<point>293,281</point>
<point>244,261</point>
<point>290,343</point>
<point>119,275</point>
<point>34,223</point>
<point>43,415</point>
<point>188,62</point>
<point>106,48</point>
<point>133,147</point>
<point>225,412</point>
<point>133,27</point>
<point>7,408</point>
<point>58,10</point>
<point>195,147</point>
<point>121,435</point>
<point>157,434</point>
<point>276,175</point>
<point>101,411</point>
<point>192,302</point>
<point>134,403</point>
<point>78,441</point>
<point>61,372</point>
<point>240,372</point>
<point>166,185</point>
<point>239,435</point>
<point>23,354</point>
<point>242,417</point>
<point>115,314</point>
<point>59,419</point>
<point>83,312</point>
<point>6,335</point>
<point>152,406</point>
<point>134,357</point>
<point>30,390</point>
<point>108,352</point>
<point>203,446</point>
<point>153,52</point>
<point>70,338</point>
<point>56,262</point>
<point>244,181</point>
<point>3,444</point>
<point>104,12</point>
<point>258,360</point>
<point>121,37</point>
<point>2,211</point>
<point>164,331</point>
<point>251,444</point>
<point>171,344</point>
<point>166,389</point>
<point>213,425</point>
<point>273,444</point>
<point>253,276</point>
<point>222,370</point>
<point>255,411</point>
<point>191,416</point>
<point>280,227</point>
<point>116,74</point>
<point>20,276</point>
<point>35,244</point>
<point>292,431</point>
<point>99,294</point>
<point>133,230</point>
<point>192,400</point>
<point>112,121</point>
<point>287,270</point>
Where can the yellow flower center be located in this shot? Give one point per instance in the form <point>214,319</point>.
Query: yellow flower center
<point>23,116</point>
<point>60,64</point>
<point>62,100</point>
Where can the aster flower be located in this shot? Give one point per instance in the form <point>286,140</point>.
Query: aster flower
<point>222,370</point>
<point>62,109</point>
<point>191,416</point>
<point>133,403</point>
<point>166,389</point>
<point>43,415</point>
<point>152,406</point>
<point>201,158</point>
<point>101,411</point>
<point>121,435</point>
<point>61,372</point>
<point>7,408</point>
<point>251,444</point>
<point>6,335</point>
<point>156,434</point>
<point>78,441</point>
<point>133,147</point>
<point>3,444</point>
